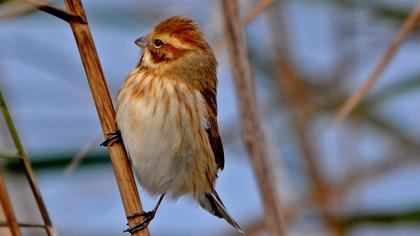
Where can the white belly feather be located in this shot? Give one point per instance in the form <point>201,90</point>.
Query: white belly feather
<point>165,140</point>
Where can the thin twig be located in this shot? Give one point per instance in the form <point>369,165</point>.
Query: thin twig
<point>77,159</point>
<point>251,126</point>
<point>295,97</point>
<point>9,155</point>
<point>256,226</point>
<point>410,216</point>
<point>259,8</point>
<point>8,209</point>
<point>57,12</point>
<point>411,22</point>
<point>26,166</point>
<point>364,175</point>
<point>344,32</point>
<point>106,113</point>
<point>12,9</point>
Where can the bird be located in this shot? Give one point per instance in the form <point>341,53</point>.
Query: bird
<point>166,114</point>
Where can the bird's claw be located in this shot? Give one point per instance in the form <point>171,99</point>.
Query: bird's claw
<point>111,138</point>
<point>148,217</point>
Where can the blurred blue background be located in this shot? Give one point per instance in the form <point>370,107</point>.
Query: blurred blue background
<point>369,162</point>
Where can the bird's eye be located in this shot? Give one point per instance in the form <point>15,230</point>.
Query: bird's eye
<point>158,43</point>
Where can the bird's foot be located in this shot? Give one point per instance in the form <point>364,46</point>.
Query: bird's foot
<point>111,138</point>
<point>148,217</point>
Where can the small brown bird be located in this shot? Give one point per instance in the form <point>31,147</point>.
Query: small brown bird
<point>167,116</point>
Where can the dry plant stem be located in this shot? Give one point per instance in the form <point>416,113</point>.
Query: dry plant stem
<point>106,113</point>
<point>14,13</point>
<point>77,159</point>
<point>344,32</point>
<point>256,230</point>
<point>367,174</point>
<point>259,8</point>
<point>256,226</point>
<point>8,209</point>
<point>300,125</point>
<point>62,14</point>
<point>295,97</point>
<point>410,23</point>
<point>250,122</point>
<point>27,166</point>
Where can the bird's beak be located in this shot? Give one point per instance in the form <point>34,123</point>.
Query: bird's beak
<point>142,41</point>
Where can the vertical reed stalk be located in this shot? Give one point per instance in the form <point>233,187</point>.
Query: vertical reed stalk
<point>251,125</point>
<point>106,113</point>
<point>295,97</point>
<point>8,209</point>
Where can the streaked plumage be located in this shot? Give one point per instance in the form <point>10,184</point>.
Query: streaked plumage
<point>167,115</point>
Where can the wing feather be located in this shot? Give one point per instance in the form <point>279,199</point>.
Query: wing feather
<point>213,129</point>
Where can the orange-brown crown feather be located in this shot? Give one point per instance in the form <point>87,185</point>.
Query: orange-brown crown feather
<point>184,29</point>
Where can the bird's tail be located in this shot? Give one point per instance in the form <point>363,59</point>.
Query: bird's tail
<point>212,203</point>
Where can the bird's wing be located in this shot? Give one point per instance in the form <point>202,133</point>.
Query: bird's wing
<point>213,129</point>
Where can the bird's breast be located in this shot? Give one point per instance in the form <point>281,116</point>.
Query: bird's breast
<point>163,123</point>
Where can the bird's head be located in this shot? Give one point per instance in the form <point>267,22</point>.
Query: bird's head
<point>173,41</point>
